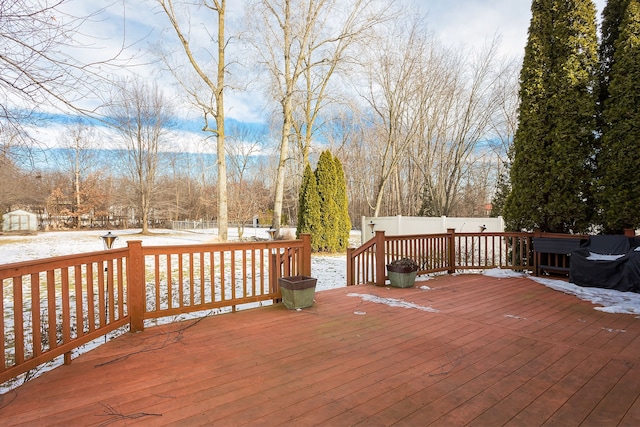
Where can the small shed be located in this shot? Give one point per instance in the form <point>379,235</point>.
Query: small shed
<point>19,220</point>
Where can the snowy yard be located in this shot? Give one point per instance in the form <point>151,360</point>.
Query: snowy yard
<point>329,269</point>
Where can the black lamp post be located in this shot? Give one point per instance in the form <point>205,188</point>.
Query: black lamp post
<point>108,240</point>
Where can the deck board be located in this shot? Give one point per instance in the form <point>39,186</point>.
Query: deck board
<point>495,352</point>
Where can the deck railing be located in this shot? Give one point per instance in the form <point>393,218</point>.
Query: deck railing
<point>446,252</point>
<point>52,306</point>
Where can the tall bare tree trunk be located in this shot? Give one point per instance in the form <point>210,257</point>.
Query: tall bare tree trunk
<point>212,86</point>
<point>223,209</point>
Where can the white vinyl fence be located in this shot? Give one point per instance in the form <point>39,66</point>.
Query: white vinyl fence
<point>405,225</point>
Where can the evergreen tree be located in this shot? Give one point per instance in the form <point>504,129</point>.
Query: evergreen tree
<point>326,179</point>
<point>323,207</point>
<point>619,185</point>
<point>308,206</point>
<point>499,199</point>
<point>343,226</point>
<point>427,208</point>
<point>553,145</point>
<point>611,19</point>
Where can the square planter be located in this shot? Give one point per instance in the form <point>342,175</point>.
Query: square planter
<point>402,280</point>
<point>297,291</point>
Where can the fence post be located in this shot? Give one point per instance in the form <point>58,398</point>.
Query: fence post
<point>380,255</point>
<point>136,286</point>
<point>452,250</point>
<point>306,254</point>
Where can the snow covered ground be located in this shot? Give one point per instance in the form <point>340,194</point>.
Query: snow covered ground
<point>329,269</point>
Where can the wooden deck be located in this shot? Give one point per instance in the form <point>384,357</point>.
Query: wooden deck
<point>472,350</point>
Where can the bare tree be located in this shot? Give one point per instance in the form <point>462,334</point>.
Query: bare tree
<point>303,45</point>
<point>78,160</point>
<point>463,119</point>
<point>433,109</point>
<point>397,92</point>
<point>40,67</point>
<point>143,117</point>
<point>247,198</point>
<point>207,89</point>
<point>505,122</point>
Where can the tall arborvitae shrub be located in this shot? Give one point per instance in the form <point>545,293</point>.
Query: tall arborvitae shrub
<point>619,183</point>
<point>327,188</point>
<point>612,16</point>
<point>553,146</point>
<point>323,207</point>
<point>343,225</point>
<point>309,206</point>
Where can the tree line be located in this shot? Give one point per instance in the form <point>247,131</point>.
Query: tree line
<point>576,148</point>
<point>419,127</point>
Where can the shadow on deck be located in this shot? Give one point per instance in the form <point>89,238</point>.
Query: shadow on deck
<point>468,350</point>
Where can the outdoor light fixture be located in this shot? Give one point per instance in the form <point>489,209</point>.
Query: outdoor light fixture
<point>372,225</point>
<point>482,228</point>
<point>108,240</point>
<point>272,233</point>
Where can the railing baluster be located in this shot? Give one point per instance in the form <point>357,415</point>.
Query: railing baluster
<point>18,320</point>
<point>3,359</point>
<point>77,279</point>
<point>169,274</point>
<point>35,314</point>
<point>180,280</point>
<point>203,262</point>
<point>121,296</point>
<point>51,309</point>
<point>91,309</point>
<point>191,282</point>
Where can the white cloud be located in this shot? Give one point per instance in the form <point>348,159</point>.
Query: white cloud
<point>141,25</point>
<point>472,23</point>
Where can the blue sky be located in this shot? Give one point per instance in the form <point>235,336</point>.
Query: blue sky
<point>473,21</point>
<point>464,23</point>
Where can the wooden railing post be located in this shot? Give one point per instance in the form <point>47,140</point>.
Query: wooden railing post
<point>536,255</point>
<point>452,250</point>
<point>136,286</point>
<point>380,255</point>
<point>306,254</point>
<point>351,280</point>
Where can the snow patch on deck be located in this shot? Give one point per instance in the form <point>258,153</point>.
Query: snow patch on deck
<point>392,302</point>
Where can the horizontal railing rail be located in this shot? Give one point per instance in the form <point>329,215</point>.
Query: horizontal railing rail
<point>52,306</point>
<point>445,252</point>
